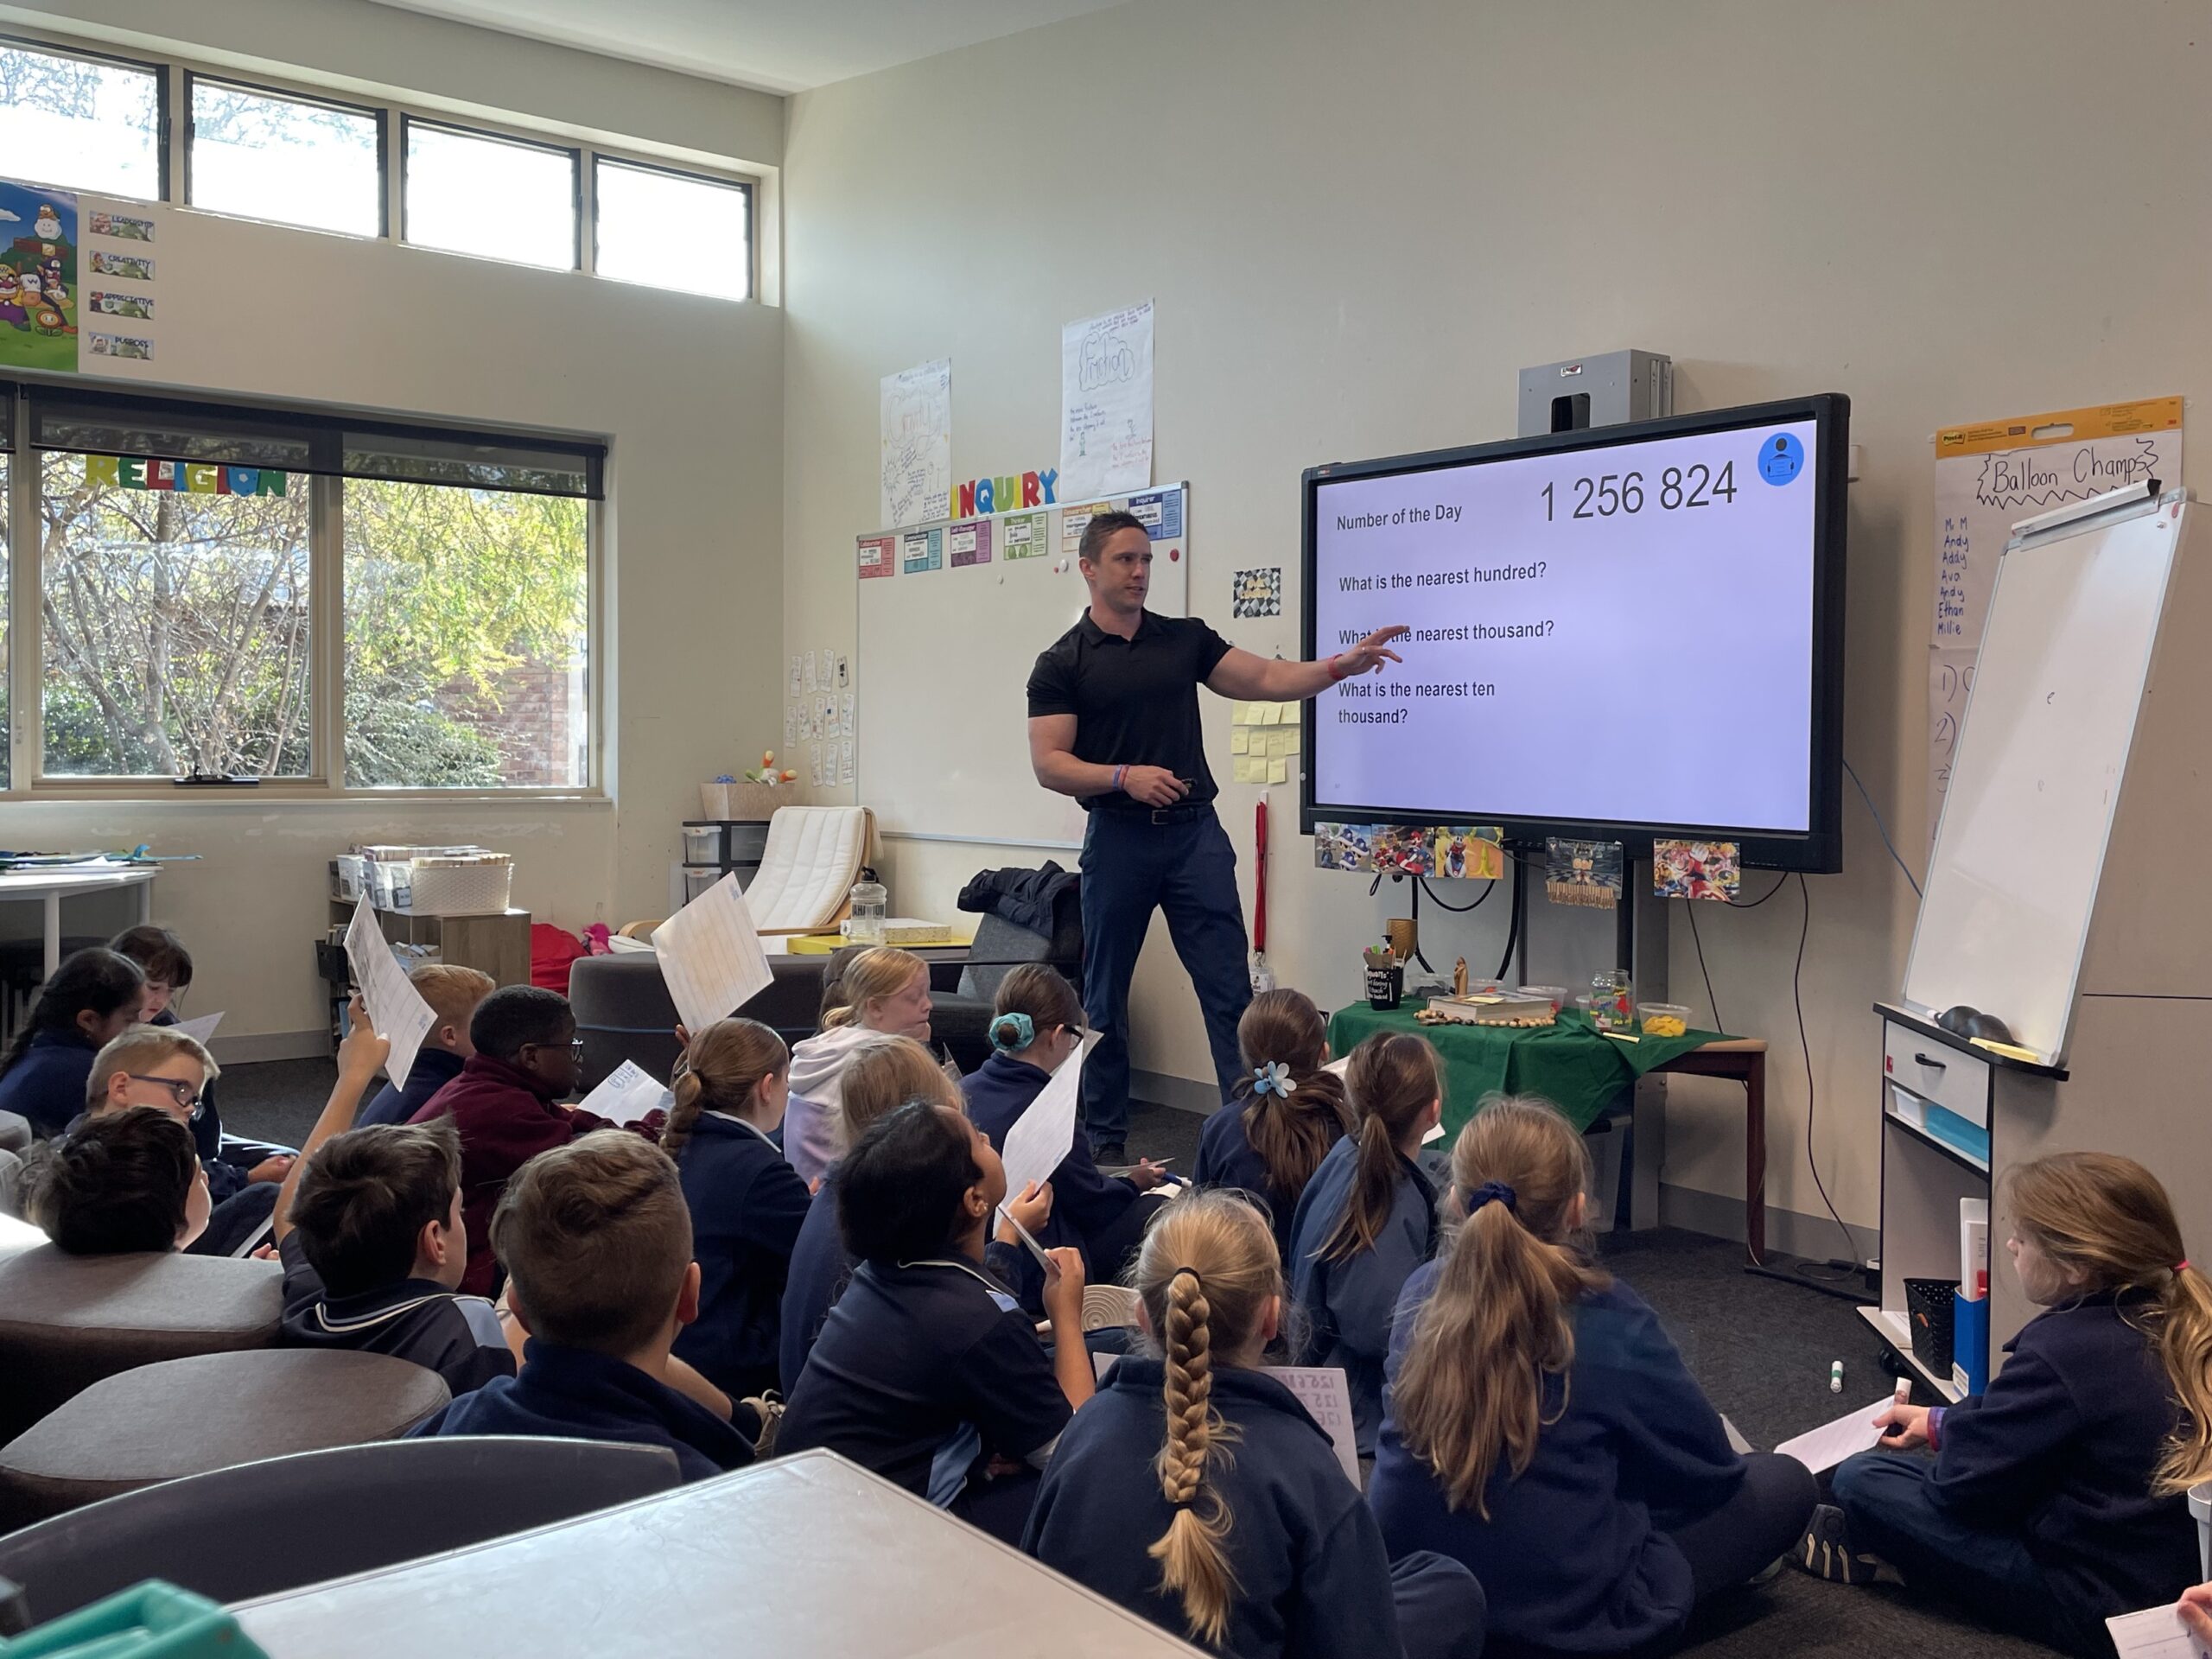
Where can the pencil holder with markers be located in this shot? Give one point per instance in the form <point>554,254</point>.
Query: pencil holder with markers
<point>1386,987</point>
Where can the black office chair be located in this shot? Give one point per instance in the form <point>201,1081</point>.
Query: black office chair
<point>259,1528</point>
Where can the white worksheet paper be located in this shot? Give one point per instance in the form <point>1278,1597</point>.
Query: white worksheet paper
<point>1322,1390</point>
<point>395,1008</point>
<point>1044,1133</point>
<point>1106,404</point>
<point>201,1030</point>
<point>710,956</point>
<point>627,1094</point>
<point>2155,1633</point>
<point>1823,1448</point>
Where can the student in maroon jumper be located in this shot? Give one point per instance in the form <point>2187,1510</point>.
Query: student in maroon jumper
<point>505,1104</point>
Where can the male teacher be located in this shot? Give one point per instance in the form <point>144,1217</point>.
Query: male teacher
<point>1114,721</point>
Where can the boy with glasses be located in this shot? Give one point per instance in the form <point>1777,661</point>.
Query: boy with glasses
<point>159,1067</point>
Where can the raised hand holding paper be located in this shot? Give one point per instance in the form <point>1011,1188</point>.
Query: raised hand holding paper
<point>395,1008</point>
<point>1044,1133</point>
<point>710,956</point>
<point>627,1094</point>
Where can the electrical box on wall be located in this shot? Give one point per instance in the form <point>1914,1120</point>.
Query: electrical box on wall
<point>1585,392</point>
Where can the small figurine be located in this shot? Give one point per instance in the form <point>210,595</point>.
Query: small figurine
<point>1460,977</point>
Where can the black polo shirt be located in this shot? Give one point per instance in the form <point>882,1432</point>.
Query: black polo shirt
<point>1136,701</point>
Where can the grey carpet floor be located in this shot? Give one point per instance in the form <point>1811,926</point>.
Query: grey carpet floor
<point>1760,1348</point>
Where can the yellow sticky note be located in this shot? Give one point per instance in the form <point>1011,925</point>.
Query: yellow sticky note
<point>1293,739</point>
<point>1279,741</point>
<point>1247,769</point>
<point>1240,740</point>
<point>1271,713</point>
<point>1240,714</point>
<point>1278,771</point>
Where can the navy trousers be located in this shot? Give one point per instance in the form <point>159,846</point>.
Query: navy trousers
<point>1185,868</point>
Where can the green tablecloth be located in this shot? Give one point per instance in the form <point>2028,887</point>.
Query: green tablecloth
<point>1569,1064</point>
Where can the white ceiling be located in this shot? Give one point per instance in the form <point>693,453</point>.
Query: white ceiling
<point>781,46</point>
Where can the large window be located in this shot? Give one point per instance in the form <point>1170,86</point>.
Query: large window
<point>225,590</point>
<point>81,123</point>
<point>478,193</point>
<point>465,637</point>
<point>673,230</point>
<point>278,155</point>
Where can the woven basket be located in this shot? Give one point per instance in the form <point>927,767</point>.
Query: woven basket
<point>744,803</point>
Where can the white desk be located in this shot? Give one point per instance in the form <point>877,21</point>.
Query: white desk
<point>53,886</point>
<point>806,1555</point>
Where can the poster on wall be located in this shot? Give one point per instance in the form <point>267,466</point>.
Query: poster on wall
<point>39,298</point>
<point>1106,404</point>
<point>915,428</point>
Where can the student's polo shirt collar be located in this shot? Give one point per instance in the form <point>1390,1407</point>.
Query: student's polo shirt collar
<point>734,1122</point>
<point>1148,625</point>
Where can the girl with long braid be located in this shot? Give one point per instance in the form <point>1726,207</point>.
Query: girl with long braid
<point>1194,1489</point>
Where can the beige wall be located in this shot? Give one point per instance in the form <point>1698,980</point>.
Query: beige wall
<point>688,391</point>
<point>1360,221</point>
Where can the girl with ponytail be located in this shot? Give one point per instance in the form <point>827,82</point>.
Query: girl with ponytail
<point>1287,1113</point>
<point>1544,1430</point>
<point>1367,1219</point>
<point>2055,1498</point>
<point>1196,1491</point>
<point>93,999</point>
<point>1036,1026</point>
<point>747,1203</point>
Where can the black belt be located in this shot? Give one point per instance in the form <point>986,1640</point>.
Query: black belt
<point>1189,812</point>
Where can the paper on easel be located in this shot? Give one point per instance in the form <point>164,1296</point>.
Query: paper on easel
<point>202,1030</point>
<point>1823,1448</point>
<point>2155,1633</point>
<point>1322,1390</point>
<point>710,956</point>
<point>395,1008</point>
<point>1044,1133</point>
<point>628,1094</point>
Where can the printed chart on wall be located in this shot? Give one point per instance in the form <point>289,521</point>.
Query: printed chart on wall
<point>77,290</point>
<point>1106,404</point>
<point>916,429</point>
<point>120,316</point>
<point>1991,474</point>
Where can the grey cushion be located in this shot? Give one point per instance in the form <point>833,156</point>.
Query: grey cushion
<point>66,1321</point>
<point>624,1012</point>
<point>15,1133</point>
<point>188,1416</point>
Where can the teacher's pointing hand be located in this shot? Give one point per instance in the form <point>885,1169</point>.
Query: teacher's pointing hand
<point>1369,653</point>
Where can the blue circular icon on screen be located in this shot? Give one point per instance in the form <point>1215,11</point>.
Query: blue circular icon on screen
<point>1780,458</point>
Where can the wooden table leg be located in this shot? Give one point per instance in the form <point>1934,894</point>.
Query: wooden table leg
<point>1755,1160</point>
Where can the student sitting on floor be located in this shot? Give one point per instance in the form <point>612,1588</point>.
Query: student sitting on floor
<point>876,990</point>
<point>505,1105</point>
<point>454,994</point>
<point>1543,1430</point>
<point>927,1372</point>
<point>1037,1025</point>
<point>233,1165</point>
<point>882,1076</point>
<point>160,1067</point>
<point>1287,1114</point>
<point>93,999</point>
<point>1367,1219</point>
<point>370,1231</point>
<point>2055,1498</point>
<point>597,1243</point>
<point>748,1204</point>
<point>1196,1491</point>
<point>116,1183</point>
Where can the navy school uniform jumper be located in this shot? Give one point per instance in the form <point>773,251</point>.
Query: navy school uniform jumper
<point>820,1269</point>
<point>48,1084</point>
<point>1228,1158</point>
<point>1575,1555</point>
<point>1348,1304</point>
<point>746,1207</point>
<point>577,1394</point>
<point>1312,1575</point>
<point>417,1319</point>
<point>2038,1509</point>
<point>1097,1214</point>
<point>434,1068</point>
<point>924,1373</point>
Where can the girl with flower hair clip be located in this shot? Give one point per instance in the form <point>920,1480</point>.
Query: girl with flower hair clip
<point>1271,1136</point>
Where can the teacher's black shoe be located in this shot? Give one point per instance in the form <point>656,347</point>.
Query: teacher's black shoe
<point>1107,1153</point>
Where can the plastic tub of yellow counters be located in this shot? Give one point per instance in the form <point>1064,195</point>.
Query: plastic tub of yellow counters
<point>1663,1019</point>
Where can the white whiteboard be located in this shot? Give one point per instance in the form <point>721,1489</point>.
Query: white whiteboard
<point>942,670</point>
<point>2041,753</point>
